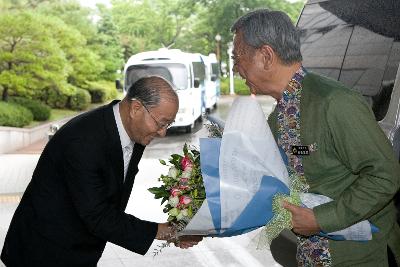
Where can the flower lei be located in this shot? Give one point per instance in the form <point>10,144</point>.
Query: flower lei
<point>289,134</point>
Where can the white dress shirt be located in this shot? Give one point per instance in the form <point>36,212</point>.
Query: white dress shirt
<point>126,143</point>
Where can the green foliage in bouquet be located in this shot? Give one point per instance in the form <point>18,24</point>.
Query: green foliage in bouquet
<point>182,187</point>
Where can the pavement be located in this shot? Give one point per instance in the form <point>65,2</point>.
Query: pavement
<point>16,169</point>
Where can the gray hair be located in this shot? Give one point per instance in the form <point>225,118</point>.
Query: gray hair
<point>149,90</point>
<point>273,28</point>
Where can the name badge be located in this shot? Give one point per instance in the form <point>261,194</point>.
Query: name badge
<point>300,150</point>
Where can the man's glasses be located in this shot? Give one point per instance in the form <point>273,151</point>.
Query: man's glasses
<point>159,125</point>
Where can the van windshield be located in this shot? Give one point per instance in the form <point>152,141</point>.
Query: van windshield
<point>173,72</point>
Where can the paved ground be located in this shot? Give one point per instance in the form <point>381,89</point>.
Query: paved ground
<point>16,169</point>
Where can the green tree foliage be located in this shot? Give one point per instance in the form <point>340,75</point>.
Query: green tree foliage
<point>148,25</point>
<point>49,48</point>
<point>217,16</point>
<point>77,36</point>
<point>30,58</point>
<point>108,45</point>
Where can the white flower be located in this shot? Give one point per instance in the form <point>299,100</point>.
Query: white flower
<point>173,172</point>
<point>185,212</point>
<point>186,174</point>
<point>173,201</point>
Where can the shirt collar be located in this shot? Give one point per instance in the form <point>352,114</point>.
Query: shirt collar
<point>123,135</point>
<point>294,84</point>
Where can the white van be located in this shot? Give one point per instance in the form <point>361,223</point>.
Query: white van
<point>212,82</point>
<point>184,70</point>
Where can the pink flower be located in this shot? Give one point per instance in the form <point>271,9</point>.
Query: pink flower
<point>186,163</point>
<point>183,181</point>
<point>175,192</point>
<point>184,187</point>
<point>184,200</point>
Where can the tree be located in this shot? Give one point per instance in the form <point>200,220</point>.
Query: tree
<point>108,45</point>
<point>71,28</point>
<point>134,20</point>
<point>148,25</point>
<point>173,16</point>
<point>30,59</point>
<point>217,16</point>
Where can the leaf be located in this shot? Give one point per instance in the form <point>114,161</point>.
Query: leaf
<point>163,200</point>
<point>154,190</point>
<point>185,149</point>
<point>162,162</point>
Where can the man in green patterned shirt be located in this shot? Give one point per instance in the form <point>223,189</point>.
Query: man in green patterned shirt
<point>345,155</point>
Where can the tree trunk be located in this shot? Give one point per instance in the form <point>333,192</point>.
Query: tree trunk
<point>5,94</point>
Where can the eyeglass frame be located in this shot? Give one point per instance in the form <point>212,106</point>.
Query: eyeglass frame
<point>159,125</point>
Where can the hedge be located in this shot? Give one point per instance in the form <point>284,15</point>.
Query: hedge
<point>56,99</point>
<point>40,111</point>
<point>102,91</point>
<point>240,86</point>
<point>14,115</point>
<point>80,100</point>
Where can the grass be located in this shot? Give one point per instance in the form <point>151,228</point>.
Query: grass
<point>239,86</point>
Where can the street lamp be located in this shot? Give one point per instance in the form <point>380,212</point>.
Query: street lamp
<point>218,39</point>
<point>231,81</point>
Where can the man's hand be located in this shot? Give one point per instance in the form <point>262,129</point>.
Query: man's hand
<point>165,232</point>
<point>188,241</point>
<point>303,220</point>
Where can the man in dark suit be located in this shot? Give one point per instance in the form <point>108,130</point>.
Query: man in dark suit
<point>76,199</point>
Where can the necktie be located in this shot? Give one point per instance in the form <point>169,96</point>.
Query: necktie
<point>137,152</point>
<point>127,151</point>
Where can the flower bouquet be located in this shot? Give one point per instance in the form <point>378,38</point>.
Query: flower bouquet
<point>238,184</point>
<point>182,187</point>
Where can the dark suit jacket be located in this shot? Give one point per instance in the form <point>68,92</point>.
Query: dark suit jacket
<point>76,199</point>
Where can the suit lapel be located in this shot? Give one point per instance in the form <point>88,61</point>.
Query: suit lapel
<point>114,144</point>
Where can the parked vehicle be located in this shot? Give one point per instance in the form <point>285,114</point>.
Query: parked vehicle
<point>212,82</point>
<point>185,71</point>
<point>356,42</point>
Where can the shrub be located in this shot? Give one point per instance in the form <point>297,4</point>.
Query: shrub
<point>56,96</point>
<point>40,111</point>
<point>80,100</point>
<point>14,115</point>
<point>56,99</point>
<point>240,86</point>
<point>102,91</point>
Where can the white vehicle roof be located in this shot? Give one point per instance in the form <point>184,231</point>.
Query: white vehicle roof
<point>163,55</point>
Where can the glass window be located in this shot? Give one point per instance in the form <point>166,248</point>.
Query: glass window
<point>355,42</point>
<point>173,72</point>
<point>215,69</point>
<point>365,61</point>
<point>199,70</point>
<point>323,49</point>
<point>314,16</point>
